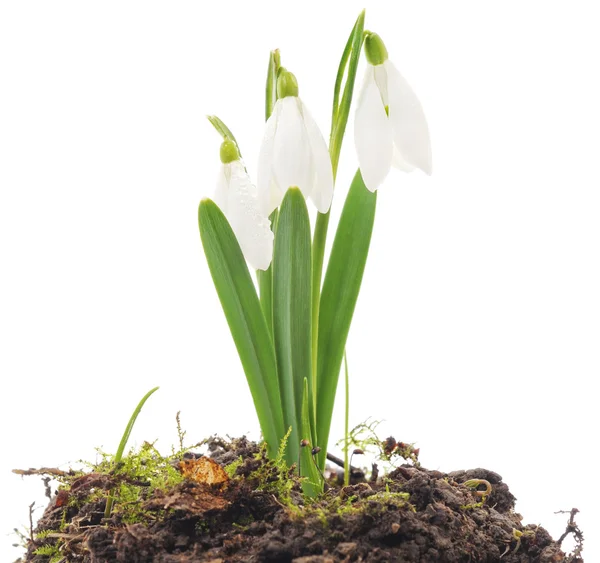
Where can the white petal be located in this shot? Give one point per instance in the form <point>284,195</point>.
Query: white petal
<point>269,196</point>
<point>252,187</point>
<point>292,164</point>
<point>372,134</point>
<point>321,193</point>
<point>399,162</point>
<point>222,190</point>
<point>251,228</point>
<point>411,134</point>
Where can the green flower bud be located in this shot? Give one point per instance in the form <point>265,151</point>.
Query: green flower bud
<point>375,49</point>
<point>287,85</point>
<point>229,151</point>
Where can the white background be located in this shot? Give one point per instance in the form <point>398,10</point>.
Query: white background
<point>476,333</point>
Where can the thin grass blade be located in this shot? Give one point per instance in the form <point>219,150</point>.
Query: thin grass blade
<point>123,444</point>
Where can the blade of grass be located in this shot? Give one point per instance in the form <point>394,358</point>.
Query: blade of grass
<point>291,310</point>
<point>123,444</point>
<point>245,318</point>
<point>338,299</point>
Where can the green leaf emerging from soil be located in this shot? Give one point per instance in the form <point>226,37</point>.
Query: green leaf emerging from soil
<point>339,295</point>
<point>291,311</point>
<point>125,439</point>
<point>245,318</point>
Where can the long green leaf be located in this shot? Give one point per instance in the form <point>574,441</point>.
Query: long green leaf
<point>244,315</point>
<point>291,310</point>
<point>343,109</point>
<point>353,45</point>
<point>339,119</point>
<point>339,295</point>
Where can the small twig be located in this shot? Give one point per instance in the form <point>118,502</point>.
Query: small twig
<point>279,502</point>
<point>180,433</point>
<point>31,521</point>
<point>43,471</point>
<point>572,528</point>
<point>354,471</point>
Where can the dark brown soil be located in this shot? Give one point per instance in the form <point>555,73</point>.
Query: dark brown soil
<point>439,519</point>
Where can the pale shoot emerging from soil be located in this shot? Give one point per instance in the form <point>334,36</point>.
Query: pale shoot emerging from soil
<point>291,334</point>
<point>123,443</point>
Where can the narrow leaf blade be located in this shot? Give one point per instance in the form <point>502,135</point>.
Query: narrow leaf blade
<point>244,316</point>
<point>338,298</point>
<point>353,45</point>
<point>292,309</point>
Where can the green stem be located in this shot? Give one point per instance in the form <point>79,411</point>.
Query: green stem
<point>265,282</point>
<point>265,278</point>
<point>346,425</point>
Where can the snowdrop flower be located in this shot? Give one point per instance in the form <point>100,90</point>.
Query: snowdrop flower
<point>236,197</point>
<point>293,152</point>
<point>390,126</point>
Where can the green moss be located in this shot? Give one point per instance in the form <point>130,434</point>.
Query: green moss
<point>39,536</point>
<point>51,551</point>
<point>274,476</point>
<point>233,467</point>
<point>138,475</point>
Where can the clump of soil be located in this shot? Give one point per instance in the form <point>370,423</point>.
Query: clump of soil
<point>256,513</point>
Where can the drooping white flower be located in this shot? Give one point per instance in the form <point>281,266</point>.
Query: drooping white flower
<point>390,125</point>
<point>236,197</point>
<point>293,152</point>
